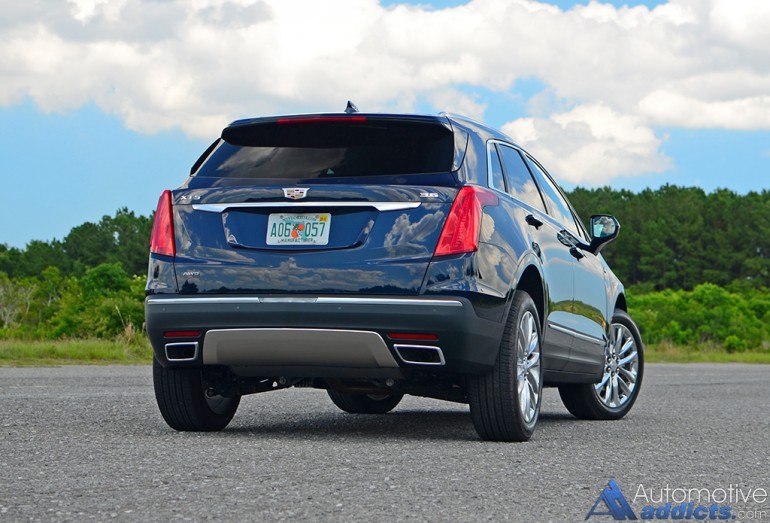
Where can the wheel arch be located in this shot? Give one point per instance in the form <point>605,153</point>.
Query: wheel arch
<point>531,281</point>
<point>620,303</point>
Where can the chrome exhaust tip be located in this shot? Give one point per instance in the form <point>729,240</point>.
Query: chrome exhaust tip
<point>420,354</point>
<point>182,351</point>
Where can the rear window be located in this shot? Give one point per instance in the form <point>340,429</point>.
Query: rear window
<point>314,148</point>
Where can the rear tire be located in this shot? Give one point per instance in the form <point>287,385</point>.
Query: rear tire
<point>505,402</point>
<point>365,403</point>
<point>183,403</point>
<point>616,393</point>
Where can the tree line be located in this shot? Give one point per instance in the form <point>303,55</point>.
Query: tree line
<point>671,238</point>
<point>90,284</point>
<point>123,239</point>
<point>103,302</point>
<point>680,237</point>
<point>697,266</point>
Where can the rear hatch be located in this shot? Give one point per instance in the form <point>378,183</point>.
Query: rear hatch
<point>317,204</point>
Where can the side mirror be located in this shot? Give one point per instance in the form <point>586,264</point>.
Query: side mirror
<point>604,229</point>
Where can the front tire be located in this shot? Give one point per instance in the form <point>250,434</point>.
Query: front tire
<point>616,393</point>
<point>505,402</point>
<point>365,403</point>
<point>183,402</point>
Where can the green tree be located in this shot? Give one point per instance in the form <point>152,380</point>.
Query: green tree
<point>679,237</point>
<point>132,240</point>
<point>103,303</point>
<point>15,300</point>
<point>88,245</point>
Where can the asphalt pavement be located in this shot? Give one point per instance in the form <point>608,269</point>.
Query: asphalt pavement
<point>87,443</point>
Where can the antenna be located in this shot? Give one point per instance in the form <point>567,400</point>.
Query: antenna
<point>351,108</point>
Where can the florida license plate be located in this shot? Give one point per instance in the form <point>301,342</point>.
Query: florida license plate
<point>298,229</point>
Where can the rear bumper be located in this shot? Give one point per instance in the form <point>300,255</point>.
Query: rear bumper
<point>347,337</point>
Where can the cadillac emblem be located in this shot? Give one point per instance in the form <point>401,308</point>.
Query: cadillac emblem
<point>295,193</point>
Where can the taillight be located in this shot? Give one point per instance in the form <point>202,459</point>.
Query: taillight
<point>462,226</point>
<point>162,241</point>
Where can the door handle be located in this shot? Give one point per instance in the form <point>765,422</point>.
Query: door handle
<point>576,253</point>
<point>534,222</point>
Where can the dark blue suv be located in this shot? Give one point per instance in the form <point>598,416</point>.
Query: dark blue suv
<point>377,255</point>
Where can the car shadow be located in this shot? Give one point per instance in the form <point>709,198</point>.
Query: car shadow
<point>404,425</point>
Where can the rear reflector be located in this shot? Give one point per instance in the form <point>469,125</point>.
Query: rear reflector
<point>181,334</point>
<point>162,241</point>
<point>411,336</point>
<point>462,226</point>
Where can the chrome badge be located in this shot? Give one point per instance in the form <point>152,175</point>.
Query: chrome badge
<point>295,193</point>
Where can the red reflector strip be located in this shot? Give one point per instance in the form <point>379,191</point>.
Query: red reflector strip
<point>181,334</point>
<point>411,336</point>
<point>322,119</point>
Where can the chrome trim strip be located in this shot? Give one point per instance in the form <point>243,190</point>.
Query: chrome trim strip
<point>205,300</point>
<point>288,300</point>
<point>390,301</point>
<point>380,206</point>
<point>326,300</point>
<point>576,334</point>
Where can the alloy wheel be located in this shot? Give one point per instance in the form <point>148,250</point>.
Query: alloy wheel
<point>621,368</point>
<point>528,368</point>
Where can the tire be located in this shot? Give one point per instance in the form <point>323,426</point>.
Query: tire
<point>616,393</point>
<point>365,403</point>
<point>183,403</point>
<point>505,402</point>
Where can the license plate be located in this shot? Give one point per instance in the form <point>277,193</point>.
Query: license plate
<point>298,229</point>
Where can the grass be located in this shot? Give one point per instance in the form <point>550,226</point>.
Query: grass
<point>21,353</point>
<point>709,353</point>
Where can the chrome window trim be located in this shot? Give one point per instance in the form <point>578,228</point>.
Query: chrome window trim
<point>380,206</point>
<point>323,300</point>
<point>490,185</point>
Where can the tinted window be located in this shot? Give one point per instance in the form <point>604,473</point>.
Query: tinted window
<point>334,150</point>
<point>558,207</point>
<point>518,178</point>
<point>496,179</point>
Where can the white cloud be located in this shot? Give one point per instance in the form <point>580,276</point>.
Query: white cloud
<point>453,101</point>
<point>675,109</point>
<point>591,144</point>
<point>85,10</point>
<point>198,64</point>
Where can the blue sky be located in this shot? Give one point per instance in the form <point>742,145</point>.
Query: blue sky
<point>135,102</point>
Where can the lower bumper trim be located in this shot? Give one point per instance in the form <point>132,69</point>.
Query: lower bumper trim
<point>297,347</point>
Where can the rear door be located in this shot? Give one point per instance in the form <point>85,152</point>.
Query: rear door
<point>547,242</point>
<point>316,204</point>
<point>586,319</point>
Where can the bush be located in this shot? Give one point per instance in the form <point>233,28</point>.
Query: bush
<point>106,303</point>
<point>707,314</point>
